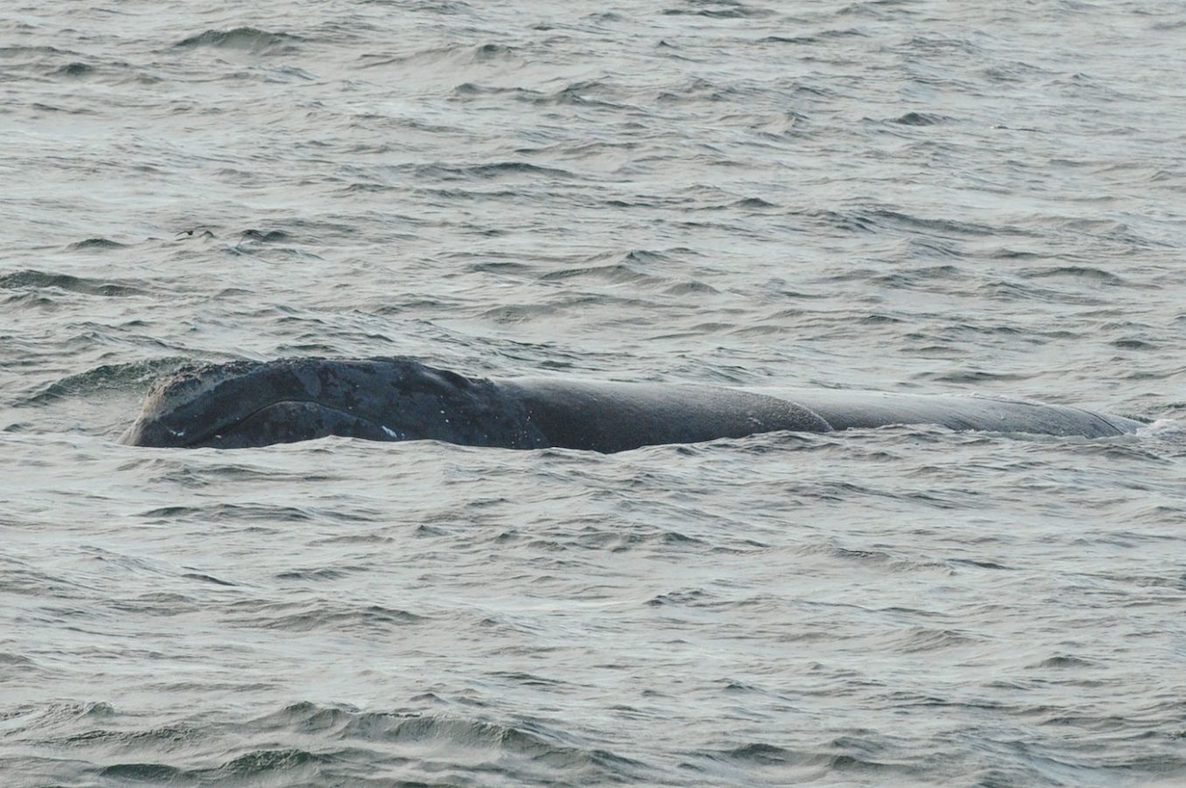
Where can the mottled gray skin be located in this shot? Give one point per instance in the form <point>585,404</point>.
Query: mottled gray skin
<point>248,403</point>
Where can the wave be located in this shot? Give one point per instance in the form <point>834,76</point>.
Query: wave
<point>31,279</point>
<point>250,39</point>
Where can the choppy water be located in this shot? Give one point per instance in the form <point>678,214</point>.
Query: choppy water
<point>925,196</point>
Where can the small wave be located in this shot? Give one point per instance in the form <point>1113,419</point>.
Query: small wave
<point>1064,661</point>
<point>487,52</point>
<point>763,755</point>
<point>75,69</point>
<point>327,615</point>
<point>699,89</point>
<point>1170,429</point>
<point>97,243</point>
<point>519,313</point>
<point>1082,272</point>
<point>1020,291</point>
<point>494,170</point>
<point>208,579</point>
<point>473,89</point>
<point>920,639</point>
<point>590,92</point>
<point>924,275</point>
<point>1133,343</point>
<point>164,736</point>
<point>755,203</point>
<point>258,762</point>
<point>293,765</point>
<point>724,9</point>
<point>266,236</point>
<point>313,573</point>
<point>611,274</point>
<point>515,168</point>
<point>973,376</point>
<point>44,280</point>
<point>17,51</point>
<point>243,38</point>
<point>690,596</point>
<point>920,119</point>
<point>106,377</point>
<point>789,40</point>
<point>779,765</point>
<point>42,107</point>
<point>817,38</point>
<point>525,748</point>
<point>142,773</point>
<point>903,220</point>
<point>8,658</point>
<point>876,218</point>
<point>979,564</point>
<point>1006,253</point>
<point>691,287</point>
<point>27,299</point>
<point>455,55</point>
<point>230,512</point>
<point>55,714</point>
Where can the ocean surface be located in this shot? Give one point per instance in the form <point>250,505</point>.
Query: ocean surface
<point>905,195</point>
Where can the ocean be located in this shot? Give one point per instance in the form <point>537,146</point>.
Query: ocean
<point>901,195</point>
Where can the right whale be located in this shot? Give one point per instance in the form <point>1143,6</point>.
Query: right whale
<point>250,403</point>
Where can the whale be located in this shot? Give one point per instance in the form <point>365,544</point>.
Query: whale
<point>244,404</point>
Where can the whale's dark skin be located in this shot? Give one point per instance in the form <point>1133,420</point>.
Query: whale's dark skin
<point>248,403</point>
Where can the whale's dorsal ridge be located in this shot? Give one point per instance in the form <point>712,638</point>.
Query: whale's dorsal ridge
<point>255,403</point>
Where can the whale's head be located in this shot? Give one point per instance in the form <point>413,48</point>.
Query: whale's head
<point>247,403</point>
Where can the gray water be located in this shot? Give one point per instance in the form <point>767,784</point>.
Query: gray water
<point>899,195</point>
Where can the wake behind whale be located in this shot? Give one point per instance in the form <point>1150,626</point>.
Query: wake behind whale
<point>245,403</point>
